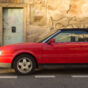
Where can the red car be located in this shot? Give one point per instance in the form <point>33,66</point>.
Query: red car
<point>66,46</point>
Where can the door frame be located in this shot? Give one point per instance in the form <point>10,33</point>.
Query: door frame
<point>22,6</point>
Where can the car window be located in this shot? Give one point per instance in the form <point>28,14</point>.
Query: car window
<point>72,36</point>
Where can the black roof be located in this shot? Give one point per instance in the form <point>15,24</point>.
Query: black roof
<point>74,29</point>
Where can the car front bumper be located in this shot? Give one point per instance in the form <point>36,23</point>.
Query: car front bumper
<point>5,65</point>
<point>5,61</point>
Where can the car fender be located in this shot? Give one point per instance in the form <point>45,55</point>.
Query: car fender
<point>25,51</point>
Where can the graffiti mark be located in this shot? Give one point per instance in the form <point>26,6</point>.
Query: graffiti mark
<point>69,22</point>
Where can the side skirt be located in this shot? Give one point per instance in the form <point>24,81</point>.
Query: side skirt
<point>62,66</point>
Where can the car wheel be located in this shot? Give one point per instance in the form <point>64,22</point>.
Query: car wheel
<point>24,64</point>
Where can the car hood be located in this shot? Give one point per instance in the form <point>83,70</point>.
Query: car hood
<point>21,45</point>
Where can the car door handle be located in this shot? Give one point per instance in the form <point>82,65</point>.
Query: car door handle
<point>80,46</point>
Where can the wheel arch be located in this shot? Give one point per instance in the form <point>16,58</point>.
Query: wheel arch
<point>24,53</point>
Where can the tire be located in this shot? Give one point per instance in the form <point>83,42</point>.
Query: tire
<point>24,64</point>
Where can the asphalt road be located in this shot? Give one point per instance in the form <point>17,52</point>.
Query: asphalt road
<point>55,78</point>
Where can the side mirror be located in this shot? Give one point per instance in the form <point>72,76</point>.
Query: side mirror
<point>51,41</point>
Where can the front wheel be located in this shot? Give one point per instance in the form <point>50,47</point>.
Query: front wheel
<point>24,64</point>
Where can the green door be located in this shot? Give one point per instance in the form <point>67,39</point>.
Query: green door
<point>13,26</point>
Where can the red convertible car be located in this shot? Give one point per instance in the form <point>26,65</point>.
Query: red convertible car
<point>66,46</point>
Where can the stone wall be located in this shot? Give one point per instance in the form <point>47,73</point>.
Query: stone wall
<point>11,1</point>
<point>50,15</point>
<point>44,16</point>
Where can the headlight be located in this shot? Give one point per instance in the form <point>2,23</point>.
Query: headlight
<point>0,53</point>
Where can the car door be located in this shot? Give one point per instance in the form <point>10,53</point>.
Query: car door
<point>68,48</point>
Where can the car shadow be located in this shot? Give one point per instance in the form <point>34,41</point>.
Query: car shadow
<point>65,71</point>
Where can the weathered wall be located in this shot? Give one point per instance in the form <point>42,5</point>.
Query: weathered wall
<point>49,15</point>
<point>0,26</point>
<point>44,16</point>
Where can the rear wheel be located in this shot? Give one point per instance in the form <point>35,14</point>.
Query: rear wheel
<point>24,64</point>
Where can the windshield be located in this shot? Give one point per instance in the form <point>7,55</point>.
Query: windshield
<point>46,36</point>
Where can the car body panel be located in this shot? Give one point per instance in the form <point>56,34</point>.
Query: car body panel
<point>65,53</point>
<point>11,51</point>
